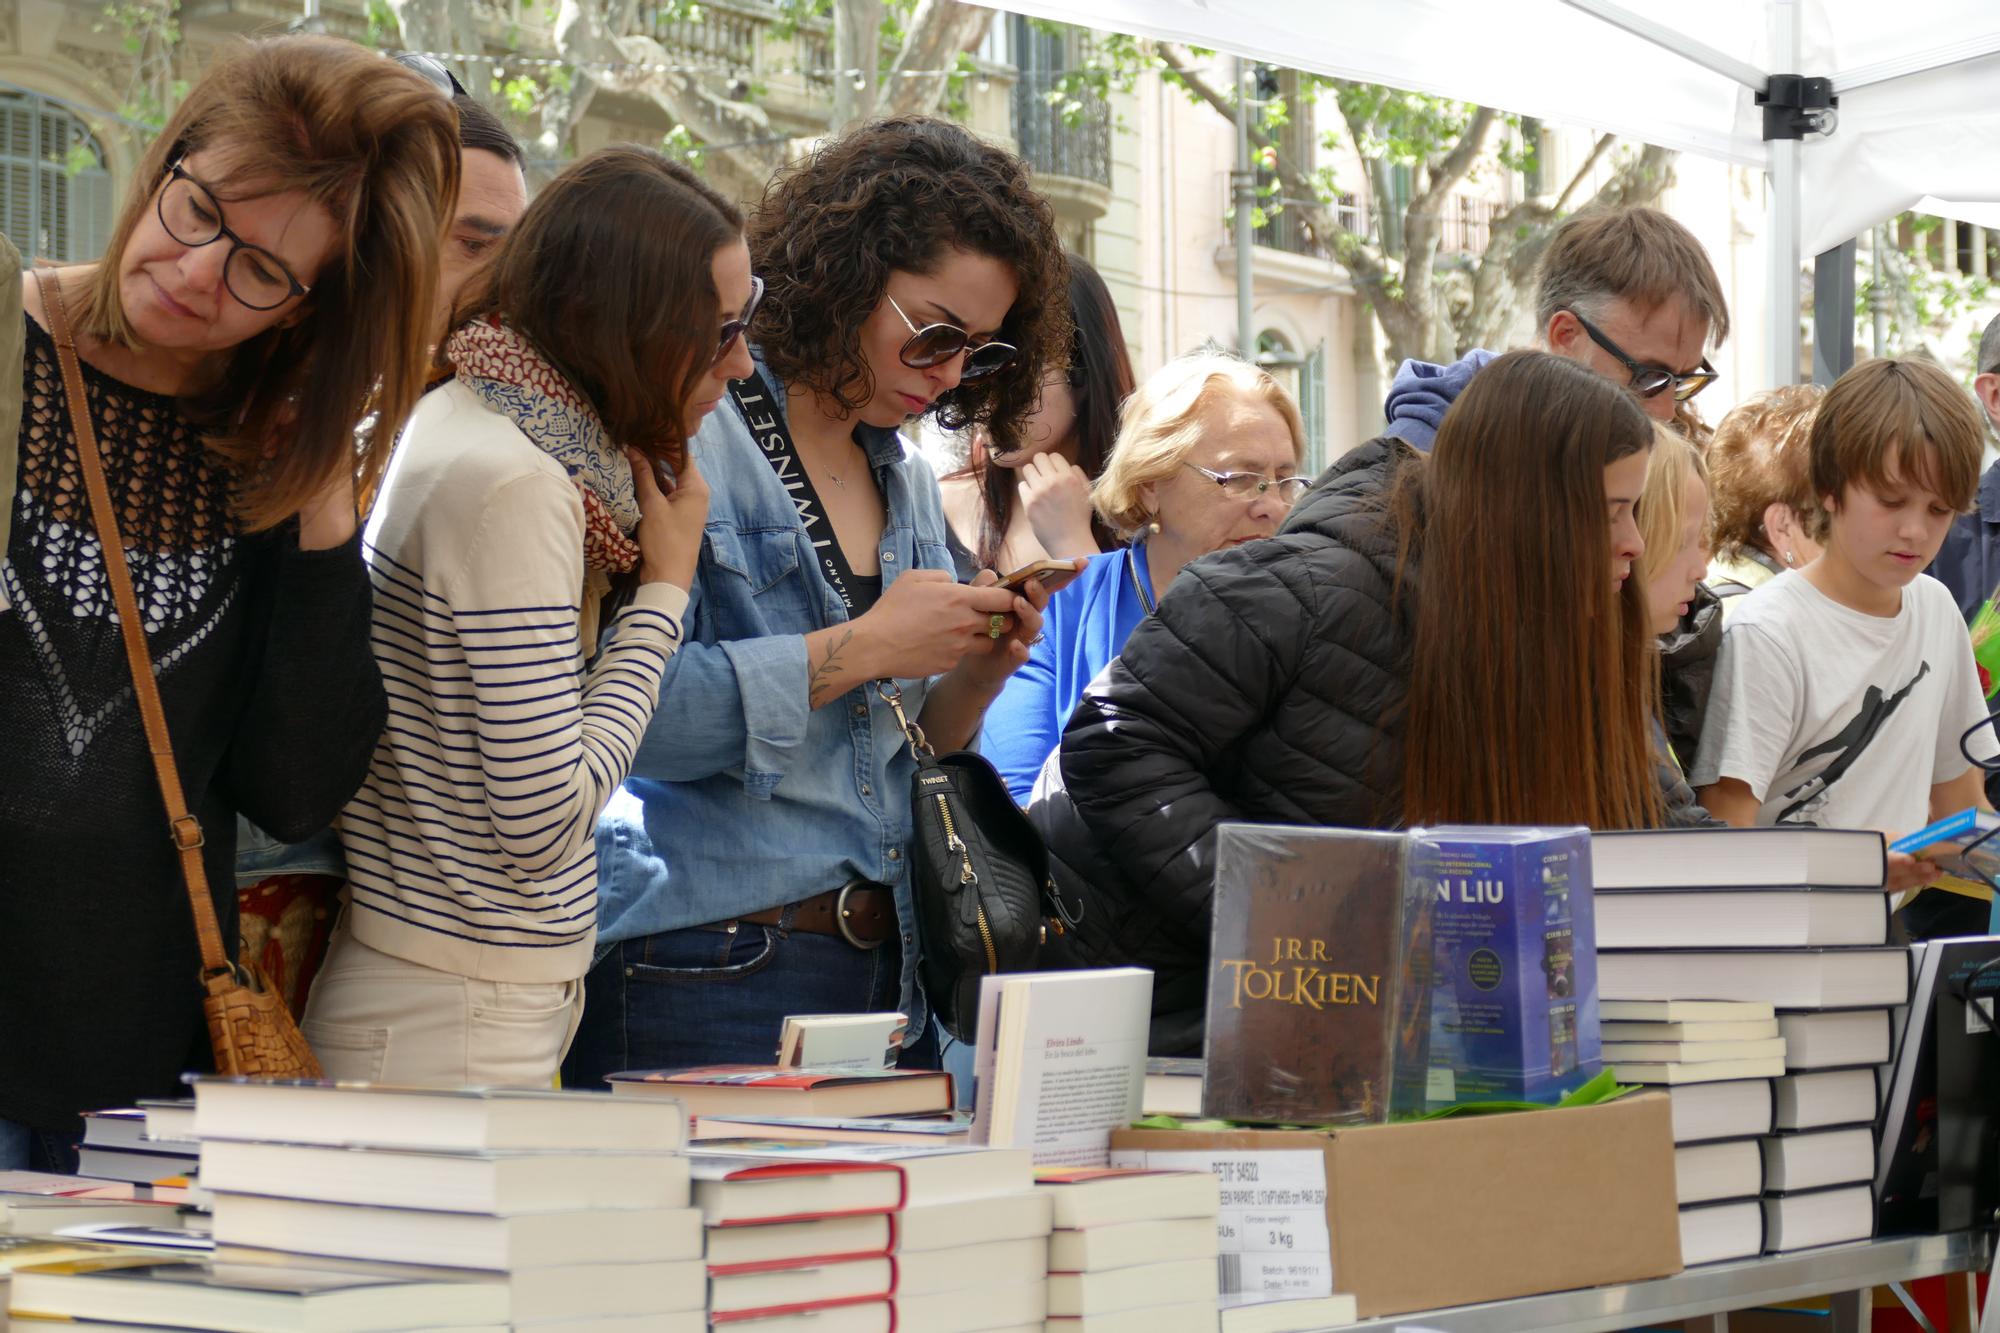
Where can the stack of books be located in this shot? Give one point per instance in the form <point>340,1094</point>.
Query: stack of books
<point>1133,1251</point>
<point>1718,1164</point>
<point>1792,921</point>
<point>574,1207</point>
<point>825,1235</point>
<point>122,1145</point>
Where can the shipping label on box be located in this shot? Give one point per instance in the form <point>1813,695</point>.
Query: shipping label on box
<point>1271,1234</point>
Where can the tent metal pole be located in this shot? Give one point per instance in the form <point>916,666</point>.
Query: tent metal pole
<point>1677,41</point>
<point>1783,291</point>
<point>1833,313</point>
<point>1245,181</point>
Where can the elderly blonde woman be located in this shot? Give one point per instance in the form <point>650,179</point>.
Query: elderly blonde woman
<point>1208,455</point>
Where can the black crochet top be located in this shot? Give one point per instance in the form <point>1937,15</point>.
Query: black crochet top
<point>272,700</point>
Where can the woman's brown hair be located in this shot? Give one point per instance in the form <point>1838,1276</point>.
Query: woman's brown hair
<point>1529,673</point>
<point>610,274</point>
<point>896,195</point>
<point>376,146</point>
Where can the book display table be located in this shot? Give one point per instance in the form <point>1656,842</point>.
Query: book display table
<point>1709,1293</point>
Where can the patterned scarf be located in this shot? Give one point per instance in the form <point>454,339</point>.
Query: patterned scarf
<point>511,377</point>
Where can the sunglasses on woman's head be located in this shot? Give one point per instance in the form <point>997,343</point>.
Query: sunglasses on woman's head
<point>935,344</point>
<point>432,70</point>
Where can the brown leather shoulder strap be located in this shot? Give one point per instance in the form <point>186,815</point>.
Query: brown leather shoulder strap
<point>183,827</point>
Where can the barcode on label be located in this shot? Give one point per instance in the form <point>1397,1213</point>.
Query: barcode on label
<point>1229,1274</point>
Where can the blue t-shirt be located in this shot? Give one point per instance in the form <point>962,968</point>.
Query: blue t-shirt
<point>1084,627</point>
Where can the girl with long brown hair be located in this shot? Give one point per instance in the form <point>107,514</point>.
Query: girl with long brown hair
<point>1453,638</point>
<point>584,357</point>
<point>267,286</point>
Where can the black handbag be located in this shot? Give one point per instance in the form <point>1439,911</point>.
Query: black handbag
<point>985,899</point>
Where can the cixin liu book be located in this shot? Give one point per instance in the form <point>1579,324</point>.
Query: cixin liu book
<point>1318,1010</point>
<point>1514,997</point>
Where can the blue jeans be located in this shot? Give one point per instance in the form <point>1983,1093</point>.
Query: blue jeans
<point>25,1148</point>
<point>703,996</point>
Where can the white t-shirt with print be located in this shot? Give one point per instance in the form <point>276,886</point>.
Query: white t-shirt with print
<point>1838,718</point>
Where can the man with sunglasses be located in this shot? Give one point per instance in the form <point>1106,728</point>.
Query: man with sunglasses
<point>1629,292</point>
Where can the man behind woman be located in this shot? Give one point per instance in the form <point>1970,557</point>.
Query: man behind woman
<point>267,285</point>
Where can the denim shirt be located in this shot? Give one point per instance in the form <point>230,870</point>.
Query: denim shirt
<point>742,797</point>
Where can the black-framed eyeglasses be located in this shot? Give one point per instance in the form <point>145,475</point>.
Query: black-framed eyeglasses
<point>1250,485</point>
<point>253,275</point>
<point>433,70</point>
<point>1651,381</point>
<point>737,327</point>
<point>935,344</point>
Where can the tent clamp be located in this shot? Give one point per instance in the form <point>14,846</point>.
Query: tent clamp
<point>1796,105</point>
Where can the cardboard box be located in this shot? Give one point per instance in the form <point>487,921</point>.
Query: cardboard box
<point>1482,1208</point>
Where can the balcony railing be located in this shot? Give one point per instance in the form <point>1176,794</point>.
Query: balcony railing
<point>1053,146</point>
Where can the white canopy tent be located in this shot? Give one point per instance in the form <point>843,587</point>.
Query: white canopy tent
<point>1916,125</point>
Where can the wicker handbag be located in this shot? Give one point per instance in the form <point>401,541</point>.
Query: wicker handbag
<point>249,1027</point>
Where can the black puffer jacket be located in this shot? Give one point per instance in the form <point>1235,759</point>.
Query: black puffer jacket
<point>1270,687</point>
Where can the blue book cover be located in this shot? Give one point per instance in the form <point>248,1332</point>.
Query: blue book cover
<point>1514,991</point>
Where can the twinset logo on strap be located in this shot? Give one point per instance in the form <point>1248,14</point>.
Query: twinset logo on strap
<point>934,780</point>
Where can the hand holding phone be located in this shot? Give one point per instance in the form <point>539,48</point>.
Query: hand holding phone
<point>1053,574</point>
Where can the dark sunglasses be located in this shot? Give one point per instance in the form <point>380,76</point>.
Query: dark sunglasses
<point>1652,381</point>
<point>431,70</point>
<point>737,327</point>
<point>935,344</point>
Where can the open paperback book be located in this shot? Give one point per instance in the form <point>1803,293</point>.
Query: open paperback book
<point>1061,1061</point>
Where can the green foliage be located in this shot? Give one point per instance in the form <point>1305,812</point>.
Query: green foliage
<point>522,93</point>
<point>81,158</point>
<point>680,143</point>
<point>382,23</point>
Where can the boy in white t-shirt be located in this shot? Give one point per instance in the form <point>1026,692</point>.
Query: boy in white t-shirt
<point>1843,689</point>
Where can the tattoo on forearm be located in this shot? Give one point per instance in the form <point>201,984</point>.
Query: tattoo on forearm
<point>820,688</point>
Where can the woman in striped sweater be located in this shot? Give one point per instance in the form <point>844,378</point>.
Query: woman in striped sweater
<point>524,490</point>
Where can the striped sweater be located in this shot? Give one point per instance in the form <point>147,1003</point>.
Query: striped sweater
<point>470,847</point>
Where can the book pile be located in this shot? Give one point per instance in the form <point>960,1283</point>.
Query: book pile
<point>151,1144</point>
<point>539,1211</point>
<point>1746,970</point>
<point>1133,1251</point>
<point>870,1237</point>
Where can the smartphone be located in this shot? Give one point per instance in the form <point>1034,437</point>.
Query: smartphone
<point>1053,574</point>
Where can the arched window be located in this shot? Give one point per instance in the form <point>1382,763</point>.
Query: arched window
<point>1304,377</point>
<point>55,193</point>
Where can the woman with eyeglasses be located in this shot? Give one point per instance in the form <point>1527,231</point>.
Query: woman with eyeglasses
<point>266,287</point>
<point>546,491</point>
<point>1207,459</point>
<point>1011,507</point>
<point>756,864</point>
<point>1451,638</point>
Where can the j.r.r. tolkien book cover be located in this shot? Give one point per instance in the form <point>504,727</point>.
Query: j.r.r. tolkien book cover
<point>1514,1002</point>
<point>1317,1008</point>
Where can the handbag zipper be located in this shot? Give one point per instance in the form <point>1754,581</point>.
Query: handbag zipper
<point>966,876</point>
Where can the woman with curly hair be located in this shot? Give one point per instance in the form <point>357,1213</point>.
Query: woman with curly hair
<point>755,864</point>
